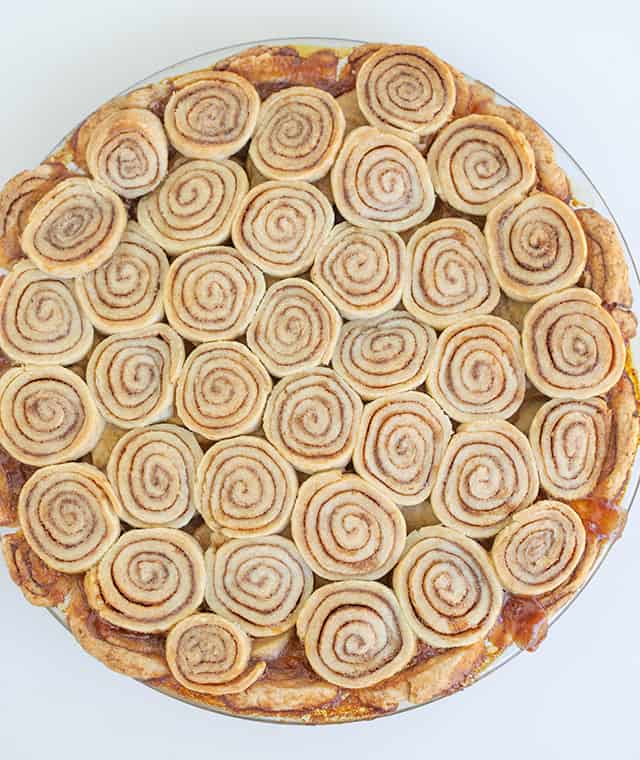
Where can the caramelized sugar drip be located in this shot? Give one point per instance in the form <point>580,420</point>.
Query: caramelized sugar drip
<point>525,622</point>
<point>602,518</point>
<point>13,475</point>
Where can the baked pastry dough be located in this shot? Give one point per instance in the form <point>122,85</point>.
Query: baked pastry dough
<point>312,418</point>
<point>194,206</point>
<point>361,271</point>
<point>384,355</point>
<point>401,442</point>
<point>536,246</point>
<point>246,488</point>
<point>132,375</point>
<point>298,134</point>
<point>126,292</point>
<point>74,228</point>
<point>222,390</point>
<point>211,294</point>
<point>449,275</point>
<point>280,225</point>
<point>153,473</point>
<point>573,348</point>
<point>259,583</point>
<point>68,516</point>
<point>211,114</point>
<point>346,528</point>
<point>40,321</point>
<point>47,415</point>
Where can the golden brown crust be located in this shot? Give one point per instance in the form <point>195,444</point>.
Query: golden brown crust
<point>13,475</point>
<point>41,585</point>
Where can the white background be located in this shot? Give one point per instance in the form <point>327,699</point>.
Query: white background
<point>574,66</point>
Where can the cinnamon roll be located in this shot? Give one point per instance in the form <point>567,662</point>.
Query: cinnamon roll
<point>280,225</point>
<point>132,375</point>
<point>259,583</point>
<point>246,488</point>
<point>346,528</point>
<point>126,292</point>
<point>47,415</point>
<point>211,655</point>
<point>384,355</point>
<point>539,549</point>
<point>68,516</point>
<point>536,246</point>
<point>447,588</point>
<point>570,441</point>
<point>298,134</point>
<point>488,471</point>
<point>449,276</point>
<point>148,581</point>
<point>211,114</point>
<point>222,390</point>
<point>74,228</point>
<point>401,441</point>
<point>212,294</point>
<point>355,634</point>
<point>478,161</point>
<point>361,271</point>
<point>40,321</point>
<point>128,152</point>
<point>573,348</point>
<point>477,370</point>
<point>312,419</point>
<point>381,181</point>
<point>153,473</point>
<point>194,206</point>
<point>296,327</point>
<point>407,90</point>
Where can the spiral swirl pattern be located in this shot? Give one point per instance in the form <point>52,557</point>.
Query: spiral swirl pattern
<point>47,415</point>
<point>401,441</point>
<point>246,488</point>
<point>68,515</point>
<point>126,292</point>
<point>259,583</point>
<point>153,473</point>
<point>477,370</point>
<point>40,322</point>
<point>128,152</point>
<point>406,89</point>
<point>74,228</point>
<point>384,355</point>
<point>450,276</point>
<point>211,114</point>
<point>280,226</point>
<point>312,419</point>
<point>573,348</point>
<point>569,440</point>
<point>354,633</point>
<point>478,161</point>
<point>132,375</point>
<point>346,528</point>
<point>149,580</point>
<point>212,294</point>
<point>381,181</point>
<point>447,588</point>
<point>361,271</point>
<point>539,549</point>
<point>298,134</point>
<point>295,327</point>
<point>222,390</point>
<point>536,247</point>
<point>488,471</point>
<point>194,206</point>
<point>210,655</point>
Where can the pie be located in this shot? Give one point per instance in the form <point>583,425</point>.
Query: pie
<point>316,391</point>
